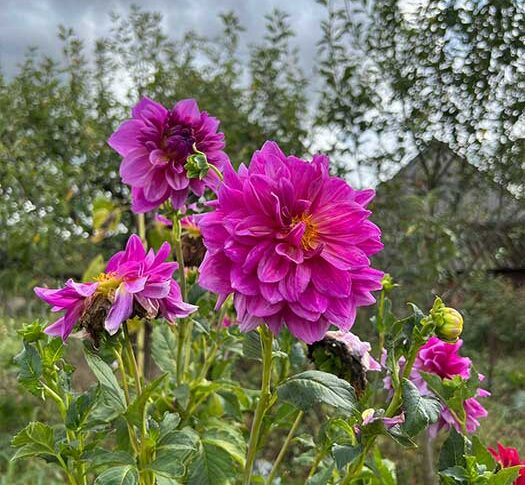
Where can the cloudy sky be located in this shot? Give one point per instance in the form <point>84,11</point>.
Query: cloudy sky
<point>25,23</point>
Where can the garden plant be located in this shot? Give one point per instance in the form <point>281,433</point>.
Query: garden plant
<point>263,272</point>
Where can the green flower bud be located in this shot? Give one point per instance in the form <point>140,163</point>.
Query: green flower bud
<point>452,325</point>
<point>388,282</point>
<point>197,166</point>
<point>448,321</point>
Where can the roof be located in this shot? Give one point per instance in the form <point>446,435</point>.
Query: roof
<point>491,218</point>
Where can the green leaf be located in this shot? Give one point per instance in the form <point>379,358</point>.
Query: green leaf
<point>322,477</point>
<point>30,369</point>
<point>212,466</point>
<point>457,473</point>
<point>164,348</point>
<point>167,466</point>
<point>107,380</point>
<point>251,346</point>
<point>344,455</point>
<point>36,439</point>
<point>481,453</point>
<point>119,475</point>
<point>420,411</point>
<point>32,332</point>
<point>102,457</point>
<point>79,409</point>
<point>453,451</point>
<point>505,476</point>
<point>308,388</point>
<point>52,352</point>
<point>180,444</point>
<point>136,409</point>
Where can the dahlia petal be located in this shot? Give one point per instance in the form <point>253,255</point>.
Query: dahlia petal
<point>139,203</point>
<point>135,285</point>
<point>290,252</point>
<point>177,181</point>
<point>120,310</point>
<point>272,268</point>
<point>135,166</point>
<point>134,249</point>
<point>214,274</point>
<point>305,330</point>
<point>270,292</point>
<point>187,111</point>
<point>156,186</point>
<point>148,107</point>
<point>178,198</point>
<point>126,138</point>
<point>363,197</point>
<point>330,280</point>
<point>83,289</point>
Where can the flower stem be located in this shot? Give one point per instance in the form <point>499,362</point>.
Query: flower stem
<point>186,326</point>
<point>141,334</point>
<point>262,406</point>
<point>284,448</point>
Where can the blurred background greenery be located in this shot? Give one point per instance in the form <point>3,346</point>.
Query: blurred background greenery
<point>424,100</point>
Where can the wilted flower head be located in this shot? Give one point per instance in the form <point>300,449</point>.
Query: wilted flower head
<point>135,282</point>
<point>156,143</point>
<point>346,356</point>
<point>509,457</point>
<point>357,348</point>
<point>443,359</point>
<point>292,244</point>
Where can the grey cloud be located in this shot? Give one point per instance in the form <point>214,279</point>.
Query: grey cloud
<point>25,23</point>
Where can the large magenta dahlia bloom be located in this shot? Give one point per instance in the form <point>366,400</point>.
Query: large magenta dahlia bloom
<point>292,244</point>
<point>133,280</point>
<point>156,143</point>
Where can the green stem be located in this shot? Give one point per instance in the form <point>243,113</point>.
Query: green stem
<point>315,464</point>
<point>262,406</point>
<point>132,361</point>
<point>396,398</point>
<point>284,448</point>
<point>185,327</point>
<point>217,171</point>
<point>355,470</point>
<point>380,322</point>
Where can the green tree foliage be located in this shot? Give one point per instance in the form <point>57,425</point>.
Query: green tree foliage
<point>56,115</point>
<point>398,74</point>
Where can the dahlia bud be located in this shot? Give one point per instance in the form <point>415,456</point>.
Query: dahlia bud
<point>388,282</point>
<point>197,166</point>
<point>448,321</point>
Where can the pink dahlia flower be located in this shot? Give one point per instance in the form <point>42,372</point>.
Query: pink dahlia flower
<point>156,143</point>
<point>131,276</point>
<point>292,244</point>
<point>509,457</point>
<point>443,359</point>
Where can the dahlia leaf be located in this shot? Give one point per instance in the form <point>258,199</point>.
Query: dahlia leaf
<point>164,348</point>
<point>36,439</point>
<point>481,453</point>
<point>505,476</point>
<point>453,451</point>
<point>420,411</point>
<point>312,387</point>
<point>119,475</point>
<point>107,381</point>
<point>30,364</point>
<point>135,412</point>
<point>344,454</point>
<point>102,457</point>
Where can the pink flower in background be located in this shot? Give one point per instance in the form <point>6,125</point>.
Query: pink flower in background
<point>292,243</point>
<point>508,457</point>
<point>131,276</point>
<point>156,143</point>
<point>443,359</point>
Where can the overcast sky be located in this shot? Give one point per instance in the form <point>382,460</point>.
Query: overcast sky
<point>25,23</point>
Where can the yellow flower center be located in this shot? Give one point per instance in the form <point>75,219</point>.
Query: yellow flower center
<point>309,239</point>
<point>107,283</point>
